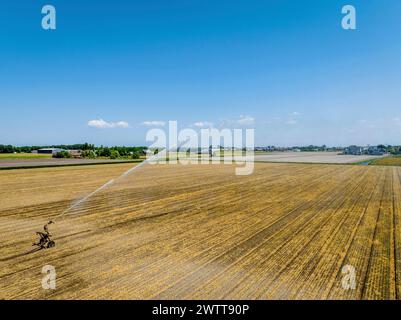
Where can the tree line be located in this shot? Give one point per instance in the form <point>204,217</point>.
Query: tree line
<point>27,149</point>
<point>87,150</point>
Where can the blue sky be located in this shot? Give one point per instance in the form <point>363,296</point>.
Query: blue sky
<point>285,68</point>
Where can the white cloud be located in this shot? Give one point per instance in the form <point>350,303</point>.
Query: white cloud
<point>293,118</point>
<point>240,121</point>
<point>291,122</point>
<point>100,123</point>
<point>245,120</point>
<point>202,124</point>
<point>154,123</point>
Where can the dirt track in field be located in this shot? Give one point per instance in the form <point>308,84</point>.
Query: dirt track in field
<point>199,231</point>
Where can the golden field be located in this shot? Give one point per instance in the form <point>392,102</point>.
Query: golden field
<point>387,161</point>
<point>200,232</point>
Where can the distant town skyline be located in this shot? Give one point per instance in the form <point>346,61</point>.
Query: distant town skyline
<point>109,72</point>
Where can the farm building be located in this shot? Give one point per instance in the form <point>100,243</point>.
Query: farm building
<point>210,151</point>
<point>49,150</point>
<point>376,151</point>
<point>354,150</point>
<point>75,153</point>
<point>371,150</point>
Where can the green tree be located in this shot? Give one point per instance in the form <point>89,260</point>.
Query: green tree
<point>135,155</point>
<point>114,154</point>
<point>105,152</point>
<point>88,154</point>
<point>87,146</point>
<point>62,154</point>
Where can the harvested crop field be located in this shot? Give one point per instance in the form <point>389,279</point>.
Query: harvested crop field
<point>199,231</point>
<point>313,157</point>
